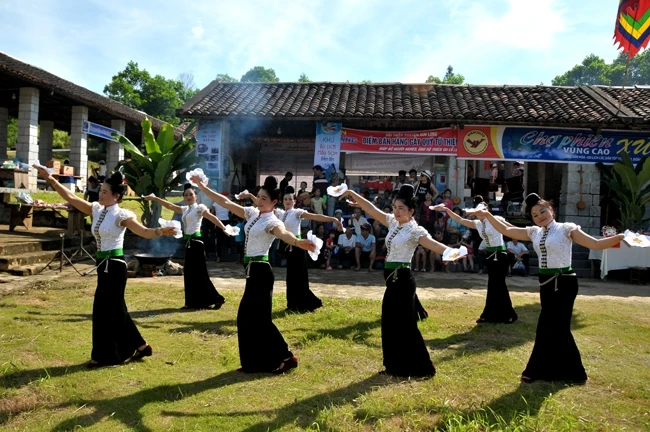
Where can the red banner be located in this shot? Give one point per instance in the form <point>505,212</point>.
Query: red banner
<point>424,142</point>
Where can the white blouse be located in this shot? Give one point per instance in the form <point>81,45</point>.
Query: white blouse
<point>258,231</point>
<point>402,240</point>
<point>192,217</point>
<point>492,237</point>
<point>106,227</point>
<point>291,219</point>
<point>553,244</point>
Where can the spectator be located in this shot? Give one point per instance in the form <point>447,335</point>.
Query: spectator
<point>420,257</point>
<point>501,174</point>
<point>101,171</point>
<point>331,201</point>
<point>317,206</point>
<point>223,239</point>
<point>208,229</point>
<point>401,180</point>
<point>320,181</point>
<point>481,256</point>
<point>494,174</point>
<point>470,177</point>
<point>366,247</point>
<point>380,231</point>
<point>329,249</point>
<point>469,259</point>
<point>387,200</point>
<point>424,186</point>
<point>240,239</point>
<point>446,199</point>
<point>346,246</point>
<point>92,190</point>
<point>453,226</point>
<point>440,223</point>
<point>303,188</point>
<point>413,177</point>
<point>356,221</point>
<point>330,226</point>
<point>453,241</point>
<point>378,201</point>
<point>439,236</point>
<point>285,182</point>
<point>426,216</point>
<point>517,252</point>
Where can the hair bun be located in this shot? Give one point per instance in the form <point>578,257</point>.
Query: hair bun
<point>478,199</point>
<point>532,200</point>
<point>187,186</point>
<point>406,191</point>
<point>270,183</point>
<point>117,178</point>
<point>289,190</point>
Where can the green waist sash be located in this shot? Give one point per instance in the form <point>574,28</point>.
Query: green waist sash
<point>261,258</point>
<point>552,271</point>
<point>110,253</point>
<point>495,249</point>
<point>191,236</point>
<point>390,265</point>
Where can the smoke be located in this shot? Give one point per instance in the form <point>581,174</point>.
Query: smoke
<point>164,246</point>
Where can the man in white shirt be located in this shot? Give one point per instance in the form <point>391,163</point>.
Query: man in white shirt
<point>365,249</point>
<point>347,244</point>
<point>517,252</point>
<point>223,240</point>
<point>356,221</point>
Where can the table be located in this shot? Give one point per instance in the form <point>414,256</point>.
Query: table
<point>620,258</point>
<point>23,214</point>
<point>19,177</point>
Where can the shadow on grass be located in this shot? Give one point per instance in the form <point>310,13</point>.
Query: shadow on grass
<point>80,317</point>
<point>24,377</point>
<point>127,409</point>
<point>359,332</point>
<point>486,337</point>
<point>302,412</point>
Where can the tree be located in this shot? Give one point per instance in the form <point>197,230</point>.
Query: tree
<point>161,169</point>
<point>595,71</point>
<point>60,139</point>
<point>304,78</point>
<point>260,74</point>
<point>157,95</point>
<point>449,78</point>
<point>12,133</point>
<point>187,81</point>
<point>226,78</point>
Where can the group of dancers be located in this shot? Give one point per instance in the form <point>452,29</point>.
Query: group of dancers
<point>555,355</point>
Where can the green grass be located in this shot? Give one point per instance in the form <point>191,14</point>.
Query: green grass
<point>191,384</point>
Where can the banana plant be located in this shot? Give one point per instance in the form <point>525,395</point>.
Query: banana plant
<point>161,169</point>
<point>630,189</point>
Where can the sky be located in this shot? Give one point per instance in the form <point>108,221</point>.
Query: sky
<point>491,42</point>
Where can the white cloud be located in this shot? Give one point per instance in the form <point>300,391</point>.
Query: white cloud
<point>197,32</point>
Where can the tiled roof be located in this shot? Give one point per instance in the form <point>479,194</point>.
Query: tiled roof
<point>37,77</point>
<point>540,105</point>
<point>636,99</point>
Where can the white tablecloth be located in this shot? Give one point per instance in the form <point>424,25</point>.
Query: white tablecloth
<point>620,258</point>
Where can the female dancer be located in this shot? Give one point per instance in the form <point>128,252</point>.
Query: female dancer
<point>555,356</point>
<point>115,336</point>
<point>299,297</point>
<point>405,353</point>
<point>498,306</point>
<point>200,292</point>
<point>261,346</point>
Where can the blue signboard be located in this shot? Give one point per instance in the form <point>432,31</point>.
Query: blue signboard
<point>98,130</point>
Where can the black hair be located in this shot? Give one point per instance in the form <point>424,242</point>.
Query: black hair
<point>401,173</point>
<point>92,179</point>
<point>289,173</point>
<point>270,186</point>
<point>445,191</point>
<point>532,200</point>
<point>116,182</point>
<point>186,186</point>
<point>289,190</point>
<point>318,167</point>
<point>413,170</point>
<point>406,194</point>
<point>478,199</point>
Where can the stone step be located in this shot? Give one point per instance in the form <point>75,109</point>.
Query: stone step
<point>10,249</point>
<point>10,262</point>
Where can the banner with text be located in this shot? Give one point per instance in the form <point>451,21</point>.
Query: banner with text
<point>328,146</point>
<point>424,142</point>
<point>208,145</point>
<point>551,145</point>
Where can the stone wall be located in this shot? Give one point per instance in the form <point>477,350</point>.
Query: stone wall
<point>589,218</point>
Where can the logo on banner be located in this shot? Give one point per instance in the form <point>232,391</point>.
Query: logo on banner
<point>476,142</point>
<point>330,128</point>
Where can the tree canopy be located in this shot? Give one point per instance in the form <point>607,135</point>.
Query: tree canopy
<point>260,74</point>
<point>226,78</point>
<point>596,71</point>
<point>155,95</point>
<point>304,78</point>
<point>449,78</point>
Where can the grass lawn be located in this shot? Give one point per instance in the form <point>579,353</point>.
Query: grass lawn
<point>191,384</point>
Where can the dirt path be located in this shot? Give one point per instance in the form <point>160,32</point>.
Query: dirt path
<point>349,284</point>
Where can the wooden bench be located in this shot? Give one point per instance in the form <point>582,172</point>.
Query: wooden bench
<point>23,214</point>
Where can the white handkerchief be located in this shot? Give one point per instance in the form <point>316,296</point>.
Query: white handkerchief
<point>174,224</point>
<point>636,240</point>
<point>239,195</point>
<point>151,195</point>
<point>453,254</point>
<point>337,191</point>
<point>478,207</point>
<point>232,231</point>
<point>199,172</point>
<point>437,207</point>
<point>37,164</point>
<point>318,242</point>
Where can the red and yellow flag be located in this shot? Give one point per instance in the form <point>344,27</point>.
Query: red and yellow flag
<point>632,31</point>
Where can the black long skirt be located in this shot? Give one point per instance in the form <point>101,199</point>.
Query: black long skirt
<point>299,297</point>
<point>498,306</point>
<point>555,356</point>
<point>405,353</point>
<point>261,345</point>
<point>115,336</point>
<point>200,292</point>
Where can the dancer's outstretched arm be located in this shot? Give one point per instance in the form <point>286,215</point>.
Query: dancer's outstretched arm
<point>504,228</point>
<point>169,206</point>
<point>149,233</point>
<point>221,200</point>
<point>323,218</point>
<point>250,196</point>
<point>433,245</point>
<point>215,220</point>
<point>366,206</point>
<point>584,239</point>
<point>82,205</point>
<point>458,219</point>
<point>292,240</point>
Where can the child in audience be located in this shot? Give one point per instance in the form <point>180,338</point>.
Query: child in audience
<point>330,244</point>
<point>467,242</point>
